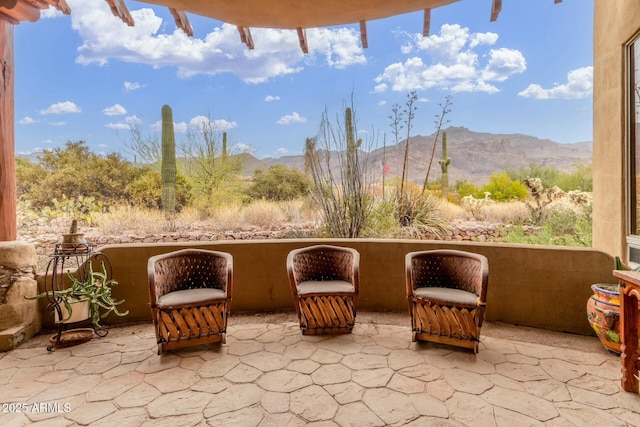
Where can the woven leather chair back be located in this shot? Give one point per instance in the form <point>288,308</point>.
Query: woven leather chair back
<point>448,270</point>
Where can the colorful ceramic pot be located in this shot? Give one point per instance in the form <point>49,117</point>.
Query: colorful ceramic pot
<point>603,314</point>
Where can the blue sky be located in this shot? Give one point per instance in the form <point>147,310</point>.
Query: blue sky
<point>89,76</point>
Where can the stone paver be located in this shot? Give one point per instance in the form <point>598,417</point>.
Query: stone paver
<point>271,375</point>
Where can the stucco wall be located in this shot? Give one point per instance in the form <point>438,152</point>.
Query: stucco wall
<point>615,24</point>
<point>545,287</point>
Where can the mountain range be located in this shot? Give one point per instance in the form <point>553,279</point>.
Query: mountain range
<point>474,155</point>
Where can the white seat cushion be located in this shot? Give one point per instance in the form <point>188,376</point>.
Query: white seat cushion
<point>326,286</point>
<point>456,296</point>
<point>199,296</point>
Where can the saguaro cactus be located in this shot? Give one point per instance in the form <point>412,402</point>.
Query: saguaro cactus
<point>352,144</point>
<point>444,164</point>
<point>168,163</point>
<point>225,154</point>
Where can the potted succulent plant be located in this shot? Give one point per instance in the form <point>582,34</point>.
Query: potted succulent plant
<point>86,298</point>
<point>603,310</point>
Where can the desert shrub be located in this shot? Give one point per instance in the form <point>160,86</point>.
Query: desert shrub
<point>279,183</point>
<point>548,176</point>
<point>145,190</point>
<point>28,175</point>
<point>341,185</point>
<point>502,188</point>
<point>263,213</point>
<point>382,220</point>
<point>581,178</point>
<point>72,172</point>
<point>124,218</point>
<point>419,214</point>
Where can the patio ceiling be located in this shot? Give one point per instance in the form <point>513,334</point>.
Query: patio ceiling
<point>246,14</point>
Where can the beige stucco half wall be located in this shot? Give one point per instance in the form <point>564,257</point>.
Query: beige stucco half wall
<point>538,286</point>
<point>616,23</point>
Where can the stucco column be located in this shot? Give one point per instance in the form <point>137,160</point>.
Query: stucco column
<point>19,317</point>
<point>8,223</point>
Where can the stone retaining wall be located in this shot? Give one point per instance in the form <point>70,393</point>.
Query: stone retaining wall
<point>458,232</point>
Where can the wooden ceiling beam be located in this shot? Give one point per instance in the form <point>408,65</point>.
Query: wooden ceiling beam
<point>496,7</point>
<point>302,36</point>
<point>19,10</point>
<point>61,5</point>
<point>39,4</point>
<point>363,34</point>
<point>182,21</point>
<point>119,9</point>
<point>245,36</point>
<point>426,26</point>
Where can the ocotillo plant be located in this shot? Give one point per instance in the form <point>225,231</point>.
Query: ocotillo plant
<point>444,164</point>
<point>168,163</point>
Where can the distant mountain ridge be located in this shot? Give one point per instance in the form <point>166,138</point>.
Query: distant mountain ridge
<point>474,155</point>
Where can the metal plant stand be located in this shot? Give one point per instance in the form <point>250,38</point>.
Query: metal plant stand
<point>70,258</point>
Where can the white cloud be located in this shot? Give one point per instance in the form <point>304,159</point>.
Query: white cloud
<point>198,122</point>
<point>243,148</point>
<point>65,107</point>
<point>382,103</point>
<point>131,86</point>
<point>382,87</point>
<point>178,127</point>
<point>451,60</point>
<point>57,123</point>
<point>127,124</point>
<point>276,53</point>
<point>282,151</point>
<point>26,120</point>
<point>114,110</point>
<point>291,118</point>
<point>270,98</point>
<point>51,12</point>
<point>579,85</point>
<point>118,126</point>
<point>503,63</point>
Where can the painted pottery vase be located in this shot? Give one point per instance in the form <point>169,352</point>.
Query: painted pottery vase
<point>603,314</point>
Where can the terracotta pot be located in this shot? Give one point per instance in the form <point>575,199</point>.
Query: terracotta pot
<point>603,314</point>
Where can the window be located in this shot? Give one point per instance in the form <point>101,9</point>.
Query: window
<point>634,145</point>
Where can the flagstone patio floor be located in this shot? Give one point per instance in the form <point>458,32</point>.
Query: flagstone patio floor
<point>268,374</point>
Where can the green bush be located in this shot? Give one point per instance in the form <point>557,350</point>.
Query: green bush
<point>502,188</point>
<point>73,172</point>
<point>580,179</point>
<point>279,183</point>
<point>145,190</point>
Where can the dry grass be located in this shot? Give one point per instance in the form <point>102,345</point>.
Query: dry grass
<point>504,213</point>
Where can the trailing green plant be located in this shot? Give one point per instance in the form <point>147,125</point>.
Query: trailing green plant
<point>169,170</point>
<point>94,287</point>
